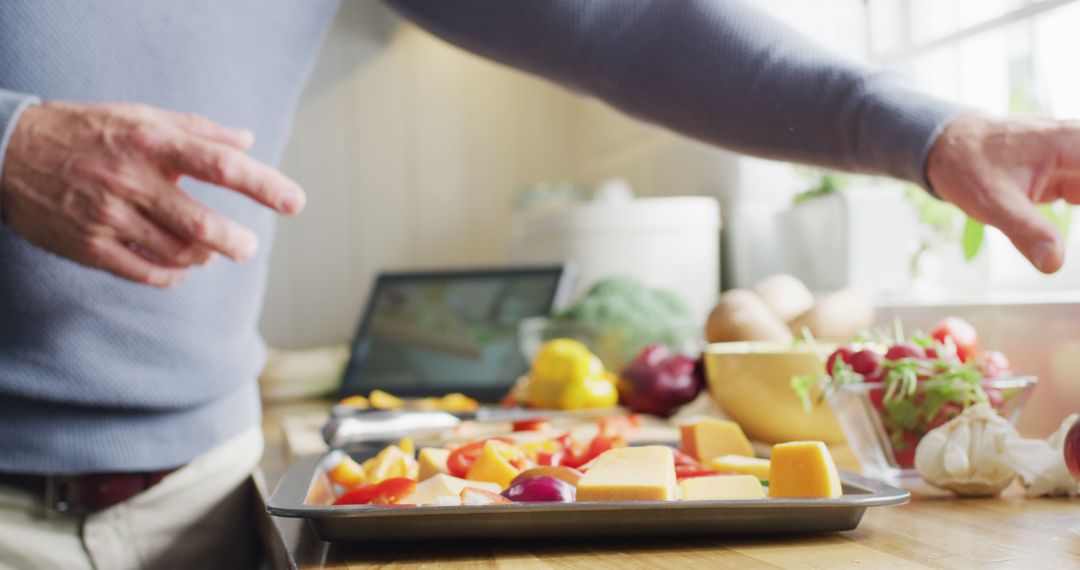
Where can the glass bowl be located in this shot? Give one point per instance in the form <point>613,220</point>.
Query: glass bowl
<point>889,455</point>
<point>615,346</point>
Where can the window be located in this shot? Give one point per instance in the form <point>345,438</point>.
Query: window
<point>1006,57</point>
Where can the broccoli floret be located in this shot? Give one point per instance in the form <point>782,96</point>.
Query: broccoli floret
<point>637,314</point>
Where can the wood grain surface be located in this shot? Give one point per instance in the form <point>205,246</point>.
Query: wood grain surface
<point>947,533</point>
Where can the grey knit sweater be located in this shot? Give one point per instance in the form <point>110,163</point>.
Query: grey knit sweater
<point>98,374</point>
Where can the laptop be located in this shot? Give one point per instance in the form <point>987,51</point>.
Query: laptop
<point>429,333</point>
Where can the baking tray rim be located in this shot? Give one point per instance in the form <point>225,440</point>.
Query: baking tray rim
<point>288,497</point>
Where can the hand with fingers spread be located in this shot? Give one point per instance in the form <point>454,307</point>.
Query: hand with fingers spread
<point>998,170</point>
<point>97,183</point>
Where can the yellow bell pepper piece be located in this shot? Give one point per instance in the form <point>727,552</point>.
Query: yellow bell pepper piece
<point>532,449</point>
<point>564,360</point>
<point>347,473</point>
<point>565,375</point>
<point>389,463</point>
<point>494,464</point>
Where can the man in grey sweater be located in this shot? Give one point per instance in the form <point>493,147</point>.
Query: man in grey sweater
<point>117,174</point>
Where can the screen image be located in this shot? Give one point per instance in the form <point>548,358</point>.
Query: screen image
<point>427,336</point>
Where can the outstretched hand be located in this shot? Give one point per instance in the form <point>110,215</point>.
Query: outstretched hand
<point>97,184</point>
<point>998,170</point>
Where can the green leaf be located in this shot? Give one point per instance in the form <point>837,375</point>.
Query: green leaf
<point>801,385</point>
<point>974,231</point>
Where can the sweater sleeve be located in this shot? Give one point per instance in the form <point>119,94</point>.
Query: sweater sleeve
<point>11,106</point>
<point>716,70</point>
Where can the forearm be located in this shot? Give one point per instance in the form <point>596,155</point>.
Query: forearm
<point>12,105</point>
<point>719,71</point>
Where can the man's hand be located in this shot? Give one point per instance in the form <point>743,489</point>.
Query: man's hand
<point>997,170</point>
<point>97,184</point>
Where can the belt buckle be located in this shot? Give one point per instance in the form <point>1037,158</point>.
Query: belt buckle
<point>57,503</point>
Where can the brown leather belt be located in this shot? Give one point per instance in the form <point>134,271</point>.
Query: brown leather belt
<point>84,493</point>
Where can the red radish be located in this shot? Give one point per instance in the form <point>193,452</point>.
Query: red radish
<point>904,350</point>
<point>1072,450</point>
<point>961,332</point>
<point>995,398</point>
<point>865,362</point>
<point>993,364</point>
<point>944,415</point>
<point>905,458</point>
<point>844,353</point>
<point>877,398</point>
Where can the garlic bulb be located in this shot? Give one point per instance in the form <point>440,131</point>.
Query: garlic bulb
<point>964,455</point>
<point>1041,463</point>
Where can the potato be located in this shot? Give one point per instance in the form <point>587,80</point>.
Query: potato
<point>837,316</point>
<point>785,295</point>
<point>741,315</point>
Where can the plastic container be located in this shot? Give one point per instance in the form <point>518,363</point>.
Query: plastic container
<point>859,238</point>
<point>669,243</point>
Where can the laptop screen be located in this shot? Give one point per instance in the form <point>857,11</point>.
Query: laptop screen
<point>431,333</point>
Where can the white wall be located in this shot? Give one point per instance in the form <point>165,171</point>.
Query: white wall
<point>659,163</point>
<point>411,151</point>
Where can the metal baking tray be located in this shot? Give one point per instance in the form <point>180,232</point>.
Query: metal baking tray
<point>547,520</point>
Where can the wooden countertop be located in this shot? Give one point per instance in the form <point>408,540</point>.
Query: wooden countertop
<point>1006,532</point>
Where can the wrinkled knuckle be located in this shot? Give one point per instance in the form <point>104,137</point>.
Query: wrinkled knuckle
<point>202,226</point>
<point>179,255</point>
<point>146,136</point>
<point>103,211</point>
<point>82,168</point>
<point>223,168</point>
<point>111,215</point>
<point>95,246</point>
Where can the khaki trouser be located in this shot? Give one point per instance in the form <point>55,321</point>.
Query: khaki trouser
<point>197,517</point>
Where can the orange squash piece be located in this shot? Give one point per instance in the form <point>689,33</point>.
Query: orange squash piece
<point>803,470</point>
<point>710,438</point>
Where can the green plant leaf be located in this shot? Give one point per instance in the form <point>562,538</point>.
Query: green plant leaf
<point>974,231</point>
<point>801,385</point>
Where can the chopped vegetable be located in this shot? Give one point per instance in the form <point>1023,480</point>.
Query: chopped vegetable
<point>347,473</point>
<point>568,474</point>
<point>566,375</point>
<point>960,333</point>
<point>474,496</point>
<point>462,458</point>
<point>632,316</point>
<point>542,489</point>
<point>659,381</point>
<point>532,425</point>
<point>386,493</point>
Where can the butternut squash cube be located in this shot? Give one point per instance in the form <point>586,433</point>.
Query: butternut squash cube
<point>710,438</point>
<point>644,473</point>
<point>722,487</point>
<point>803,469</point>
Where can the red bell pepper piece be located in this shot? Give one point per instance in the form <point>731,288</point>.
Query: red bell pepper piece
<point>688,471</point>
